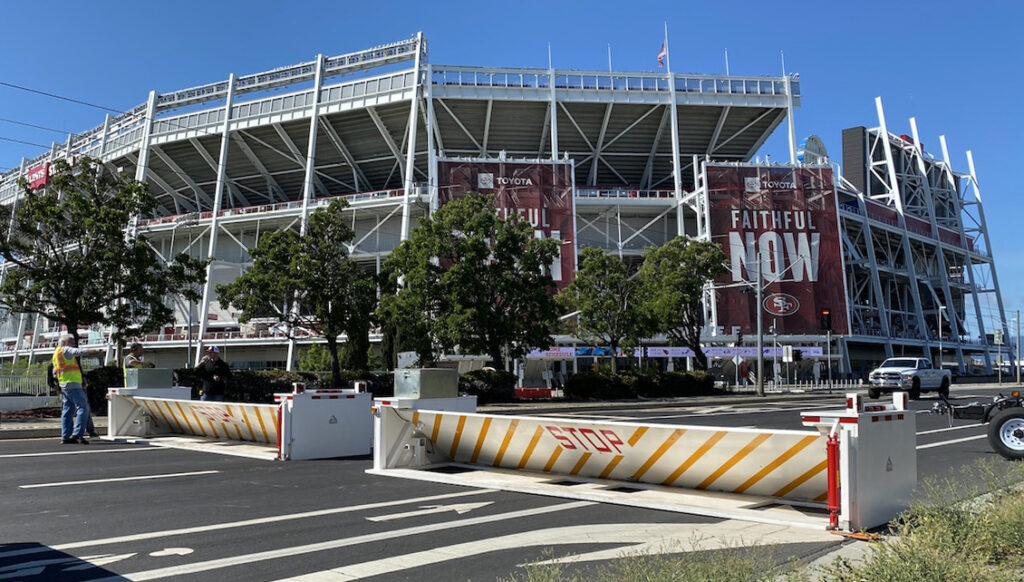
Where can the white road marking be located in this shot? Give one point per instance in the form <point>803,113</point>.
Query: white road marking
<point>100,560</point>
<point>952,442</point>
<point>172,552</point>
<point>89,452</point>
<point>631,537</point>
<point>340,543</point>
<point>117,479</point>
<point>979,425</point>
<point>234,524</point>
<point>459,508</point>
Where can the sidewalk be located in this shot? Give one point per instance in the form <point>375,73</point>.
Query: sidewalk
<point>39,428</point>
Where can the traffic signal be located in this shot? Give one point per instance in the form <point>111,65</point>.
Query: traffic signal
<point>826,319</point>
<point>798,355</point>
<point>739,337</point>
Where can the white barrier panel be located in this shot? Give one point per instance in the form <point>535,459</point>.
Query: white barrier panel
<point>308,425</point>
<point>782,464</point>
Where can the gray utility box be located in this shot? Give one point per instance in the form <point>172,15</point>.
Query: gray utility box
<point>149,378</point>
<point>427,383</point>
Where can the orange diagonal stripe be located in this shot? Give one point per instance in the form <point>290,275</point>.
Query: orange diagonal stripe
<point>185,418</point>
<point>415,418</point>
<point>746,450</point>
<point>170,414</point>
<point>437,427</point>
<point>799,446</point>
<point>263,427</point>
<point>554,457</point>
<point>238,431</point>
<point>580,463</point>
<point>529,448</point>
<point>801,479</point>
<point>505,443</point>
<point>822,497</point>
<point>639,432</point>
<point>694,457</point>
<point>245,417</point>
<point>611,466</point>
<point>672,438</point>
<point>458,437</point>
<point>480,439</point>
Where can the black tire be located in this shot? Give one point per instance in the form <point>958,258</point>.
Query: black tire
<point>944,388</point>
<point>915,389</point>
<point>1006,433</point>
<point>874,393</point>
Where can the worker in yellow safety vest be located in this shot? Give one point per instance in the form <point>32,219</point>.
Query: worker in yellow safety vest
<point>74,412</point>
<point>134,360</point>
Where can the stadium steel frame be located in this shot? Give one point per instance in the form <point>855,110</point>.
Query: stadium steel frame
<point>233,159</point>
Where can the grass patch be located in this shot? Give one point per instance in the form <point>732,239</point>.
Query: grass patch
<point>952,533</point>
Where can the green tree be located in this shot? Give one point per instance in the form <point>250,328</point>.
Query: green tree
<point>71,261</point>
<point>308,283</point>
<point>470,280</point>
<point>609,301</point>
<point>316,359</point>
<point>676,275</point>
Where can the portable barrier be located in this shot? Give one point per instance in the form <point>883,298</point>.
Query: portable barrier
<point>301,425</point>
<point>774,476</point>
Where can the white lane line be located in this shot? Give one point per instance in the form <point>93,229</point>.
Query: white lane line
<point>631,538</point>
<point>979,425</point>
<point>89,452</point>
<point>234,524</point>
<point>952,442</point>
<point>137,478</point>
<point>340,543</point>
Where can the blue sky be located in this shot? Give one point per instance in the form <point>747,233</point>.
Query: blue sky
<point>955,66</point>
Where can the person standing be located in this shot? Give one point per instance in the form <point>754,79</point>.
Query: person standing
<point>74,414</point>
<point>134,359</point>
<point>214,373</point>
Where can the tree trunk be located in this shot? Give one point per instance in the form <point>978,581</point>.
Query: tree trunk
<point>614,355</point>
<point>332,348</point>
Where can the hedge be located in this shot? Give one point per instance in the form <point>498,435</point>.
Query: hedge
<point>642,384</point>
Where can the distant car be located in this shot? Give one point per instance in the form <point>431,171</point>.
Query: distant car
<point>910,374</point>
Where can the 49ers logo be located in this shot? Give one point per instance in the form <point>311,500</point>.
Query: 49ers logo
<point>781,304</point>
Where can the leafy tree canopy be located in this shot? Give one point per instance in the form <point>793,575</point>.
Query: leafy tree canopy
<point>472,281</point>
<point>310,284</point>
<point>675,276</point>
<point>609,300</point>
<point>71,261</point>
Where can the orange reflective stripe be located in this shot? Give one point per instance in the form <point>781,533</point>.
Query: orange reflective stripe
<point>694,457</point>
<point>801,479</point>
<point>735,459</point>
<point>799,446</point>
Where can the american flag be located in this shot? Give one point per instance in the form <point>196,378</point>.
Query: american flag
<point>661,56</point>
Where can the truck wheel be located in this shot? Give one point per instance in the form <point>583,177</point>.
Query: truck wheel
<point>874,393</point>
<point>915,389</point>
<point>944,388</point>
<point>1006,433</point>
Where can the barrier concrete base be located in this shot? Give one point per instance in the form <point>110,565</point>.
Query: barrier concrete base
<point>706,503</point>
<point>204,445</point>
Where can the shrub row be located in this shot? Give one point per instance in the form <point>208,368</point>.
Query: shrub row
<point>644,384</point>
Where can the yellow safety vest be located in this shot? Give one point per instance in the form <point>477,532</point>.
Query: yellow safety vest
<point>66,370</point>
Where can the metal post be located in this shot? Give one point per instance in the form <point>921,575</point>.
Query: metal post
<point>1018,346</point>
<point>828,337</point>
<point>760,333</point>
<point>941,309</point>
<point>775,352</point>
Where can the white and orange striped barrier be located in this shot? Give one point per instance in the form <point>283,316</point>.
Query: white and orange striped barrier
<point>788,466</point>
<point>307,425</point>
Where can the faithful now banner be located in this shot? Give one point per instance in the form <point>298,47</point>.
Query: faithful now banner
<point>784,219</point>
<point>540,193</point>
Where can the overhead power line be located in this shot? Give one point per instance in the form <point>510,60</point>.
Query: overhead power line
<point>61,97</point>
<point>24,142</point>
<point>44,128</point>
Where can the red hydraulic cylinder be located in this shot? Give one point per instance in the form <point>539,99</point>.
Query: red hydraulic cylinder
<point>832,454</point>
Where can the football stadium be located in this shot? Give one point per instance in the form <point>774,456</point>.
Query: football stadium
<point>880,251</point>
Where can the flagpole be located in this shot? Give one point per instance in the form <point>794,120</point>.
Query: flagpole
<point>609,57</point>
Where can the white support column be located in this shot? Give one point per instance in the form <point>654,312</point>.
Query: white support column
<point>897,197</point>
<point>218,196</point>
<point>432,177</point>
<point>677,178</point>
<point>314,121</point>
<point>988,246</point>
<point>963,239</point>
<point>410,158</point>
<point>790,122</point>
<point>147,129</point>
<point>553,106</point>
<point>103,137</point>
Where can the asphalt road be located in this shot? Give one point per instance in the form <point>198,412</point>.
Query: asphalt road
<point>113,511</point>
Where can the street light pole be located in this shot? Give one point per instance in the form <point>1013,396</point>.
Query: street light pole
<point>760,334</point>
<point>941,309</point>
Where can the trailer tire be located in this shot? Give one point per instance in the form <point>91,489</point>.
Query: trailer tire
<point>944,388</point>
<point>1006,433</point>
<point>874,393</point>
<point>915,389</point>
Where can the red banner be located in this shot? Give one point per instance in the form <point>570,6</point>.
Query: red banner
<point>540,193</point>
<point>786,219</point>
<point>38,176</point>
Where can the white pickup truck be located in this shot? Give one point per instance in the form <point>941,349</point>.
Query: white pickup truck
<point>910,374</point>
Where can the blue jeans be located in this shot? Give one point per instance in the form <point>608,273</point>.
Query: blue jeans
<point>75,409</point>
